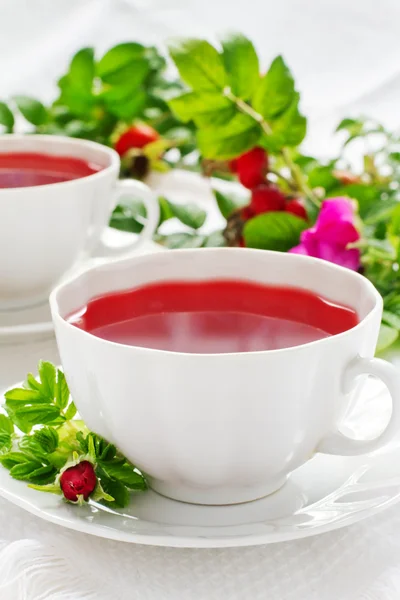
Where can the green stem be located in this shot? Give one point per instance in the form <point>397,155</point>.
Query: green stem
<point>294,169</point>
<point>291,184</point>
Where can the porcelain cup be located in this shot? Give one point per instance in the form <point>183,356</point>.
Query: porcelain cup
<point>223,428</point>
<point>46,230</point>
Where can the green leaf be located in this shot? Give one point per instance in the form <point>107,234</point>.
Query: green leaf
<point>122,63</point>
<point>321,176</point>
<point>108,452</point>
<point>387,337</point>
<point>62,391</point>
<point>6,425</point>
<point>381,249</point>
<point>124,473</point>
<point>289,129</point>
<point>199,64</point>
<point>43,475</point>
<point>241,65</point>
<point>80,129</point>
<point>206,108</point>
<point>392,302</point>
<point>37,414</point>
<point>11,459</point>
<point>25,470</point>
<point>70,412</point>
<point>33,110</point>
<point>225,142</point>
<point>276,91</point>
<point>82,70</point>
<point>215,240</point>
<point>114,488</point>
<point>165,210</point>
<point>76,85</point>
<point>391,319</point>
<point>32,383</point>
<point>353,126</point>
<point>189,214</point>
<point>395,156</point>
<point>227,205</point>
<point>83,441</point>
<point>6,118</point>
<point>182,240</point>
<point>127,107</point>
<point>125,223</point>
<point>273,231</point>
<point>135,73</point>
<point>129,215</point>
<point>47,373</point>
<point>379,211</point>
<point>22,396</point>
<point>93,441</point>
<point>47,439</point>
<point>5,442</point>
<point>394,225</point>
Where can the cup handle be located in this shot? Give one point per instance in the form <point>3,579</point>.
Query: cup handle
<point>336,442</point>
<point>126,187</point>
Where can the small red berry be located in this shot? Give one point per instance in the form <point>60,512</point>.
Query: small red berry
<point>267,198</point>
<point>233,165</point>
<point>136,136</point>
<point>252,167</point>
<point>247,213</point>
<point>242,243</point>
<point>296,207</point>
<point>79,480</point>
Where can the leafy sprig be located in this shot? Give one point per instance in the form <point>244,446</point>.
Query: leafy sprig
<point>234,107</point>
<point>41,437</point>
<point>98,97</point>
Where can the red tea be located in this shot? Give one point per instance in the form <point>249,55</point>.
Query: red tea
<point>27,169</point>
<point>213,316</point>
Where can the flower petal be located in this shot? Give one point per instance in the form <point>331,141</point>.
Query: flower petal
<point>300,249</point>
<point>335,222</point>
<point>335,253</point>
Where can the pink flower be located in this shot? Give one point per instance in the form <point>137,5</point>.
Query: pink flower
<point>331,234</point>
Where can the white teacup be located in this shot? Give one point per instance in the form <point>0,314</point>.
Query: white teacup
<point>223,428</point>
<point>47,229</point>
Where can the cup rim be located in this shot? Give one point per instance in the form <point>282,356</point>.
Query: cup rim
<point>56,315</point>
<point>62,139</point>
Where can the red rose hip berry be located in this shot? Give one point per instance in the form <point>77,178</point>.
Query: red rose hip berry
<point>233,165</point>
<point>79,480</point>
<point>296,207</point>
<point>267,198</point>
<point>136,136</point>
<point>252,167</point>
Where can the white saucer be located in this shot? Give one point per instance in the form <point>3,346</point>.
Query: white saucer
<point>325,494</point>
<point>35,323</point>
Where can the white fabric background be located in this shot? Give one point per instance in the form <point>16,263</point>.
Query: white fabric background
<point>345,54</point>
<point>346,58</point>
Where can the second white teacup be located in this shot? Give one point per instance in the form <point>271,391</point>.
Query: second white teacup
<point>45,230</point>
